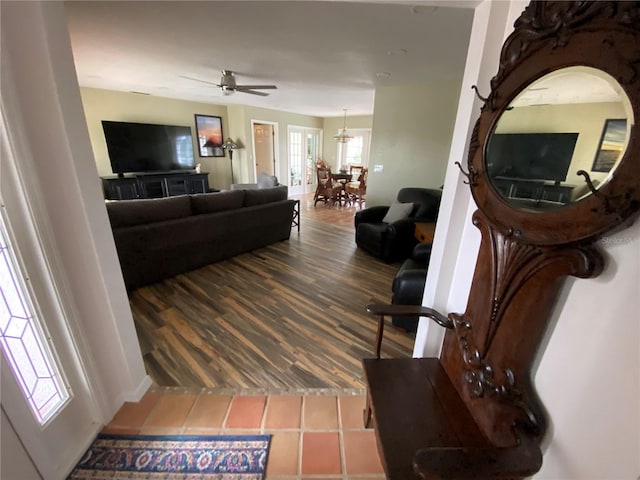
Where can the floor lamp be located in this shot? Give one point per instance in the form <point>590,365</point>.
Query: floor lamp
<point>231,146</point>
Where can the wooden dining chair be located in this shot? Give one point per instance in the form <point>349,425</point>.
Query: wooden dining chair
<point>355,171</point>
<point>327,189</point>
<point>356,191</point>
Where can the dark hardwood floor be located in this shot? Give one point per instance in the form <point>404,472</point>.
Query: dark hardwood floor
<point>286,318</point>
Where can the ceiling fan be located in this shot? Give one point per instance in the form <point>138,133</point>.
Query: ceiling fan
<point>229,86</point>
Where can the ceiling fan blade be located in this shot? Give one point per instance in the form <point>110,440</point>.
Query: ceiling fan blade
<point>256,87</point>
<point>252,92</point>
<point>198,80</point>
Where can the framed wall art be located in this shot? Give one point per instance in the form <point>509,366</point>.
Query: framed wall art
<point>611,144</point>
<point>209,133</point>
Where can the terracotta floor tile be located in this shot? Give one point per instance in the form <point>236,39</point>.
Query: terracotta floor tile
<point>134,414</point>
<point>320,453</point>
<point>351,411</point>
<point>208,411</point>
<point>202,431</point>
<point>170,410</point>
<point>283,412</point>
<point>145,430</point>
<point>246,412</point>
<point>320,413</point>
<point>283,454</point>
<point>361,453</point>
<point>120,430</point>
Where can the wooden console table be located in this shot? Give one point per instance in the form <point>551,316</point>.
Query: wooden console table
<point>424,232</point>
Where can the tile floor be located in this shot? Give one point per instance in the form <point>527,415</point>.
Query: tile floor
<point>313,436</point>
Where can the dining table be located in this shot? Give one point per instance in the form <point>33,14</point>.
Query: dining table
<point>342,178</point>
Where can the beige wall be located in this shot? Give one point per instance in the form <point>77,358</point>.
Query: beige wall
<point>283,120</point>
<point>236,123</point>
<point>411,138</point>
<point>331,126</point>
<point>130,107</point>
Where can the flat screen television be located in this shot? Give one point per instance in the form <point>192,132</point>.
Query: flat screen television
<point>148,148</point>
<point>531,156</point>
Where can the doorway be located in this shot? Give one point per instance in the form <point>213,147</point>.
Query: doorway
<point>264,147</point>
<point>305,149</point>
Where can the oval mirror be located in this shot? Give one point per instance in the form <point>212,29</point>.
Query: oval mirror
<point>560,139</point>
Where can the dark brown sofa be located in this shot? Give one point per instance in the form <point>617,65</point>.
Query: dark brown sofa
<point>160,238</point>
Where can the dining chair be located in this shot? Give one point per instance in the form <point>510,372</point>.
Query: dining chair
<point>327,189</point>
<point>355,171</point>
<point>356,191</point>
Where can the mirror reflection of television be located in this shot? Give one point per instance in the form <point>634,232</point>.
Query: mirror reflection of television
<point>531,156</point>
<point>148,148</point>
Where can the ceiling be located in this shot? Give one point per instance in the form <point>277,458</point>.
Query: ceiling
<point>323,56</point>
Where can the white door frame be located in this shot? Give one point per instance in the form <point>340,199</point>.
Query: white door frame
<point>276,147</point>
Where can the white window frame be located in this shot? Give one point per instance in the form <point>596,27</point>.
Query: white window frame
<point>341,148</point>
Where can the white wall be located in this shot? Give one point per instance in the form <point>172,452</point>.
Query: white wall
<point>14,460</point>
<point>589,374</point>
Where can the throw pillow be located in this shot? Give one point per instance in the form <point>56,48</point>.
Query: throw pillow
<point>398,211</point>
<point>267,181</point>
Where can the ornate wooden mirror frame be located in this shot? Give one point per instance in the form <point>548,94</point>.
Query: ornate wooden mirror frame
<point>525,253</point>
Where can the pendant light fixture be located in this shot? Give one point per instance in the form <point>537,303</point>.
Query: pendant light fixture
<point>342,136</point>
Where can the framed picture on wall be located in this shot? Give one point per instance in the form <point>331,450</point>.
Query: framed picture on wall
<point>209,132</point>
<point>611,144</point>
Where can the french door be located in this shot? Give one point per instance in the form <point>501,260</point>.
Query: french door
<point>305,149</point>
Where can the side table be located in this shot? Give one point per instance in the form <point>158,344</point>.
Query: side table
<point>424,232</point>
<point>295,221</point>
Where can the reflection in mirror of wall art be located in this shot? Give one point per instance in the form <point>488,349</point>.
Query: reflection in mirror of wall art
<point>611,145</point>
<point>209,132</point>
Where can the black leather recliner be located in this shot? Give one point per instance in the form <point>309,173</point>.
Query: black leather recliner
<point>395,241</point>
<point>408,285</point>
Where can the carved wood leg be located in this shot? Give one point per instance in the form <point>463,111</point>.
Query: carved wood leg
<point>367,413</point>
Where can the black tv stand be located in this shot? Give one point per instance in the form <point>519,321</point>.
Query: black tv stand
<point>154,185</point>
<point>534,190</point>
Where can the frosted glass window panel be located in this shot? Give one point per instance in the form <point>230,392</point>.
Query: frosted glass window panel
<point>23,342</point>
<point>296,155</point>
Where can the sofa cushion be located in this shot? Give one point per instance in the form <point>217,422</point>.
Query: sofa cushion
<point>126,213</point>
<point>217,202</point>
<point>265,195</point>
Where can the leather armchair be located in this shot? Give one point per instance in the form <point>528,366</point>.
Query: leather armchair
<point>395,241</point>
<point>408,285</point>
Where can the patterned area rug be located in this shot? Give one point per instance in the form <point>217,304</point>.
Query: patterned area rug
<point>185,457</point>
